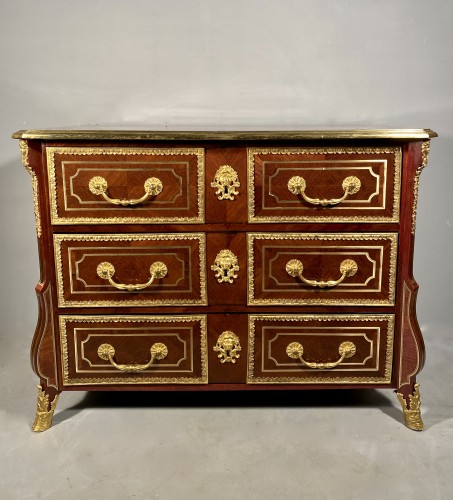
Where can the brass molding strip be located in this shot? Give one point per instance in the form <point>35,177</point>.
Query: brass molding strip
<point>34,179</point>
<point>128,380</point>
<point>425,155</point>
<point>386,379</point>
<point>97,134</point>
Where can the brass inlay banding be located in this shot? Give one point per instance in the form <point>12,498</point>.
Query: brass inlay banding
<point>353,333</point>
<point>309,167</point>
<point>75,270</point>
<point>407,323</point>
<point>342,251</point>
<point>84,338</point>
<point>134,168</point>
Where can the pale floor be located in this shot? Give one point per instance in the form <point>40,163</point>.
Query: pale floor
<point>318,445</point>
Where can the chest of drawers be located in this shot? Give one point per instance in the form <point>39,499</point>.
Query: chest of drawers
<point>226,261</point>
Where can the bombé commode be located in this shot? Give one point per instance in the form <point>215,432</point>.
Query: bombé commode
<point>226,261</point>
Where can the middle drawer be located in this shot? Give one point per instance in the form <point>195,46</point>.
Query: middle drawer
<point>130,269</point>
<point>322,268</point>
<point>184,269</point>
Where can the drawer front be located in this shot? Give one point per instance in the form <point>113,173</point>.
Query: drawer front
<point>338,269</point>
<point>324,349</point>
<point>126,185</point>
<point>130,270</point>
<point>98,350</point>
<point>324,184</point>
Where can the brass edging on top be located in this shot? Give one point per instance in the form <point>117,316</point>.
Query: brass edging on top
<point>47,134</point>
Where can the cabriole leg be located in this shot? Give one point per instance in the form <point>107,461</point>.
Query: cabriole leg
<point>44,410</point>
<point>411,409</point>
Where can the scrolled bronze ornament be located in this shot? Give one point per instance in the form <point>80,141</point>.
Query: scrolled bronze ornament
<point>225,266</point>
<point>228,347</point>
<point>225,182</point>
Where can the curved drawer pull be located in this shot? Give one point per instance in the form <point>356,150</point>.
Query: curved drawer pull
<point>350,185</point>
<point>348,268</point>
<point>346,350</point>
<point>98,185</point>
<point>107,351</point>
<point>106,270</point>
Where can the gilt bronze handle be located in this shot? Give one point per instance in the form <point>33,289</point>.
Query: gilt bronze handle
<point>346,350</point>
<point>107,352</point>
<point>348,268</point>
<point>297,185</point>
<point>98,186</point>
<point>106,270</point>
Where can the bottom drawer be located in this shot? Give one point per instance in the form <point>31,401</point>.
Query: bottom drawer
<point>321,349</point>
<point>253,349</point>
<point>98,350</point>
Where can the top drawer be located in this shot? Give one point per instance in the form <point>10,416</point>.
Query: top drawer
<point>114,185</point>
<point>324,184</point>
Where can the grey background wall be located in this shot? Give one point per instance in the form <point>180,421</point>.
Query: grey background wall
<point>217,64</point>
<point>256,64</point>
